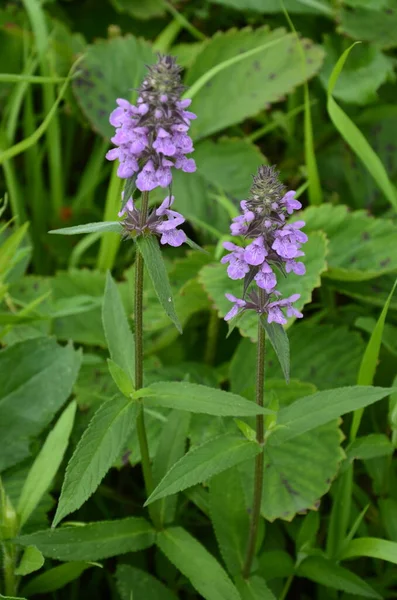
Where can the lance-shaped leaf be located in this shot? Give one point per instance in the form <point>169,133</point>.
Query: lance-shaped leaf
<point>134,583</point>
<point>254,588</point>
<point>56,578</point>
<point>92,541</point>
<point>100,227</point>
<point>278,338</point>
<point>99,447</point>
<point>201,463</point>
<point>154,263</point>
<point>196,398</point>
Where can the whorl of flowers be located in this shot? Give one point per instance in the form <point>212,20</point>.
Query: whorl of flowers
<point>151,136</point>
<point>162,221</point>
<point>273,244</point>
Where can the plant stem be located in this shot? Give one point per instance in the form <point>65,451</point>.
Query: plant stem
<point>212,336</point>
<point>259,459</point>
<point>138,315</point>
<point>9,559</point>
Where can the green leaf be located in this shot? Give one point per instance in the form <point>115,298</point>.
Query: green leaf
<point>36,378</point>
<point>11,597</point>
<point>216,282</point>
<point>101,227</point>
<point>154,263</point>
<point>320,408</point>
<point>92,541</point>
<point>314,7</point>
<point>117,330</point>
<point>370,446</point>
<point>370,359</point>
<point>55,578</point>
<point>229,518</point>
<point>374,23</point>
<point>203,462</point>
<point>147,10</point>
<point>389,334</point>
<point>197,564</point>
<point>8,250</point>
<point>254,588</point>
<point>32,560</point>
<point>278,63</point>
<point>372,548</point>
<point>198,399</point>
<point>170,449</point>
<point>46,464</point>
<point>324,572</point>
<point>360,246</point>
<point>102,77</point>
<point>134,583</point>
<point>279,340</point>
<point>373,292</point>
<point>120,378</point>
<point>100,445</point>
<point>355,139</point>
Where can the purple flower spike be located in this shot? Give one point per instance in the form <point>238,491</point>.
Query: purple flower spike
<point>271,243</point>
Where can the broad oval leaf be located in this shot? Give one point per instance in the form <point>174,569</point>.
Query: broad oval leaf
<point>32,560</point>
<point>99,447</point>
<point>36,378</point>
<point>92,541</point>
<point>203,462</point>
<point>101,227</point>
<point>197,564</point>
<point>196,398</point>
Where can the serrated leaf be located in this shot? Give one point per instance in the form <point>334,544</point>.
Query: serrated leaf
<point>32,560</point>
<point>134,583</point>
<point>154,263</point>
<point>216,282</point>
<point>370,446</point>
<point>117,329</point>
<point>203,462</point>
<point>254,588</point>
<point>324,572</point>
<point>229,518</point>
<point>92,541</point>
<point>243,83</point>
<point>46,464</point>
<point>101,227</point>
<point>195,398</point>
<point>36,378</point>
<point>360,246</point>
<point>102,77</point>
<point>170,449</point>
<point>197,564</point>
<point>55,578</point>
<point>279,340</point>
<point>97,450</point>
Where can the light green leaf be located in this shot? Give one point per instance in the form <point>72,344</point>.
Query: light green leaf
<point>92,541</point>
<point>314,7</point>
<point>324,572</point>
<point>9,248</point>
<point>355,139</point>
<point>100,227</point>
<point>320,408</point>
<point>117,329</point>
<point>254,588</point>
<point>154,263</point>
<point>197,564</point>
<point>203,462</point>
<point>46,464</point>
<point>11,597</point>
<point>120,378</point>
<point>370,446</point>
<point>170,449</point>
<point>375,23</point>
<point>229,517</point>
<point>278,338</point>
<point>99,447</point>
<point>198,399</point>
<point>55,578</point>
<point>134,583</point>
<point>102,79</point>
<point>278,64</point>
<point>32,560</point>
<point>360,246</point>
<point>372,548</point>
<point>370,360</point>
<point>36,378</point>
<point>216,282</point>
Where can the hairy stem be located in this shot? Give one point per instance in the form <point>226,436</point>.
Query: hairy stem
<point>259,459</point>
<point>140,423</point>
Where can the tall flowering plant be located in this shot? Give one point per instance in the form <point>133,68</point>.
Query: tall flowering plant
<point>271,246</point>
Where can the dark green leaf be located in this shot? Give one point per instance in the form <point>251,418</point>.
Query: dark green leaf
<point>134,583</point>
<point>55,578</point>
<point>279,340</point>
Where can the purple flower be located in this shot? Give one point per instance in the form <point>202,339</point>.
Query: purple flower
<point>235,309</point>
<point>271,242</point>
